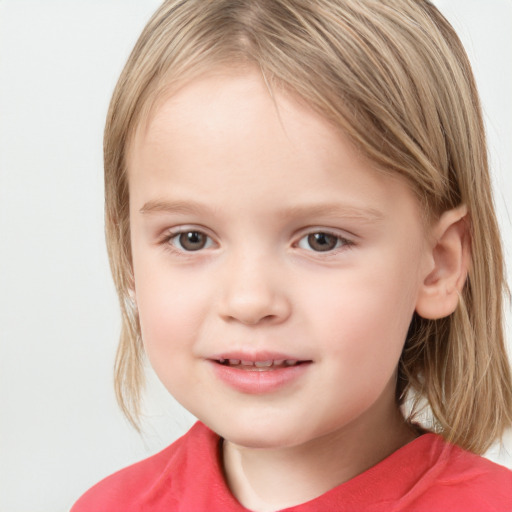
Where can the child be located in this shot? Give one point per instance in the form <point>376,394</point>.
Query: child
<point>301,231</point>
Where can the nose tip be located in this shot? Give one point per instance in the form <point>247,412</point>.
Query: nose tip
<point>254,299</point>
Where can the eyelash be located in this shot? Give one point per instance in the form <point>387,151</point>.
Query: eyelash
<point>168,239</point>
<point>342,243</point>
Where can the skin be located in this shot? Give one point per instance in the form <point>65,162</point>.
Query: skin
<point>257,175</point>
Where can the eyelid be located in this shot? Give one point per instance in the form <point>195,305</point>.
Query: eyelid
<point>348,240</point>
<point>174,232</point>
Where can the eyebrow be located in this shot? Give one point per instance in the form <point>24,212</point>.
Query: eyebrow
<point>185,207</point>
<point>365,214</point>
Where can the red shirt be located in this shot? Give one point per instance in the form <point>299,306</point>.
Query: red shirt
<point>427,474</point>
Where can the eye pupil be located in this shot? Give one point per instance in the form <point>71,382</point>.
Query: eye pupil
<point>192,240</point>
<point>322,241</point>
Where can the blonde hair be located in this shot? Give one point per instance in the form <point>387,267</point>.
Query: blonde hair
<point>393,75</point>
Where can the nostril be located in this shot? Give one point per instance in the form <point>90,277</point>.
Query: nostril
<point>257,319</point>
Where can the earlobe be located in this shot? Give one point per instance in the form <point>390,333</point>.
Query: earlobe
<point>450,253</point>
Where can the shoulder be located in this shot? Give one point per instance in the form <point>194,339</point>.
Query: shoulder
<point>460,480</point>
<point>132,488</point>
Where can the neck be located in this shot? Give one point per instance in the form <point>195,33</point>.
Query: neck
<point>264,480</point>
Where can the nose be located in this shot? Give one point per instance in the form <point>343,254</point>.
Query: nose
<point>253,292</point>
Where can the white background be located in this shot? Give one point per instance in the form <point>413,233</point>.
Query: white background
<point>60,430</point>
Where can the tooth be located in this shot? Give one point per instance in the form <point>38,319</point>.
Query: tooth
<point>291,362</point>
<point>278,362</point>
<point>222,361</point>
<point>234,361</point>
<point>247,363</point>
<point>263,364</point>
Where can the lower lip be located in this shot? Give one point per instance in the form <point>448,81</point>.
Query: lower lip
<point>256,382</point>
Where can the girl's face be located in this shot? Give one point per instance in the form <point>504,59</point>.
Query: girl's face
<point>276,272</point>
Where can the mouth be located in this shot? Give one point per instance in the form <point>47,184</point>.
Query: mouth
<point>259,365</point>
<point>259,373</point>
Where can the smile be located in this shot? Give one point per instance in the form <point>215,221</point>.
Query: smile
<point>259,373</point>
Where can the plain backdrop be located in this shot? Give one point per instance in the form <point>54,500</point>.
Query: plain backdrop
<point>60,429</point>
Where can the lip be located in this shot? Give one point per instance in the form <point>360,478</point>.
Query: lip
<point>260,355</point>
<point>257,380</point>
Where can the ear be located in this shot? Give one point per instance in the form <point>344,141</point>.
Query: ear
<point>450,258</point>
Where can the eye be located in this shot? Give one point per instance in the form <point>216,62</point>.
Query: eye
<point>322,242</point>
<point>190,241</point>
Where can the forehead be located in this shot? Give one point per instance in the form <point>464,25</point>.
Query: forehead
<point>204,108</point>
<point>208,96</point>
<point>226,131</point>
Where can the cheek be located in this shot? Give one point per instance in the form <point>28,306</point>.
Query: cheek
<point>365,317</point>
<point>171,315</point>
<point>171,309</point>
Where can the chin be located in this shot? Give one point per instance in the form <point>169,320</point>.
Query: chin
<point>260,434</point>
<point>261,440</point>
